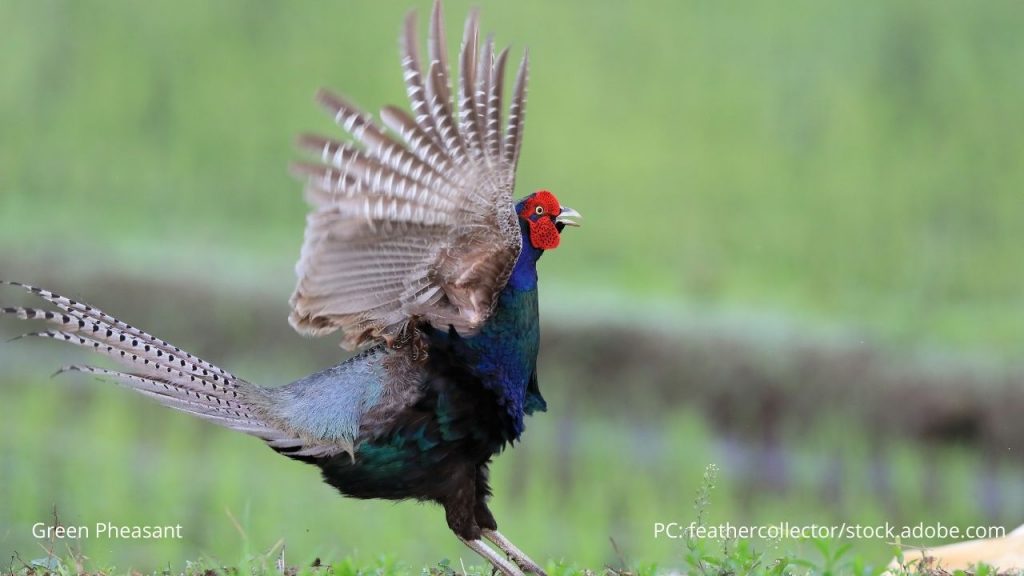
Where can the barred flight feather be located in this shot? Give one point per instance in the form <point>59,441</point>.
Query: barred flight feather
<point>413,75</point>
<point>495,86</point>
<point>517,114</point>
<point>470,113</point>
<point>439,87</point>
<point>483,82</point>
<point>356,163</point>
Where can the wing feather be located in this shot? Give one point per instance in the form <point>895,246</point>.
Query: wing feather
<point>413,218</point>
<point>469,108</point>
<point>482,90</point>
<point>413,75</point>
<point>517,115</point>
<point>495,87</point>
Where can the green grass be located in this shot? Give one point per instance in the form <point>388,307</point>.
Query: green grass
<point>724,556</point>
<point>853,163</point>
<point>735,558</point>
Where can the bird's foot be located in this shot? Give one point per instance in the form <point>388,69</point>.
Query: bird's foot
<point>517,555</point>
<point>500,563</point>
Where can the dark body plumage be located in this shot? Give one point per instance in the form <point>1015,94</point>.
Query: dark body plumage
<point>473,394</point>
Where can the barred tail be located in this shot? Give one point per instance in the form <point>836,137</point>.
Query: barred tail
<point>154,368</point>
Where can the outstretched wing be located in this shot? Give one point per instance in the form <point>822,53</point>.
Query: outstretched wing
<point>415,221</point>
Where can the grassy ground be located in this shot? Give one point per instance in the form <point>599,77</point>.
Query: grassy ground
<point>741,561</point>
<point>725,556</point>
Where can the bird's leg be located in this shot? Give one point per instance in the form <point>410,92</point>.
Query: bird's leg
<point>517,555</point>
<point>489,527</point>
<point>500,563</point>
<point>459,510</point>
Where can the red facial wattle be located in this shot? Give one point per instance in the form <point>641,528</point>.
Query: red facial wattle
<point>540,212</point>
<point>543,233</point>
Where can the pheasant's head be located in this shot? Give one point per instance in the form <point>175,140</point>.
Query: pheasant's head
<point>545,219</point>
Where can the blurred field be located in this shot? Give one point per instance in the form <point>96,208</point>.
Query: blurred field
<point>825,159</point>
<point>746,173</point>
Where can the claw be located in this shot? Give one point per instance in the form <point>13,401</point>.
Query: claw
<point>500,563</point>
<point>517,555</point>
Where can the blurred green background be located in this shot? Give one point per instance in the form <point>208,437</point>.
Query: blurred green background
<point>799,261</point>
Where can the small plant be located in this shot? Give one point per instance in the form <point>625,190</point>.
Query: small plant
<point>735,557</point>
<point>443,568</point>
<point>739,557</point>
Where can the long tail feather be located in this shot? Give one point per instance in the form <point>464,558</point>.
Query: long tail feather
<point>155,368</point>
<point>86,316</point>
<point>171,376</point>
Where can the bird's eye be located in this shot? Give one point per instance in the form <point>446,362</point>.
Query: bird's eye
<point>539,210</point>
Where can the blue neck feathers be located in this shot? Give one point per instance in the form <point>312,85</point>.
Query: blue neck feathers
<point>503,354</point>
<point>524,275</point>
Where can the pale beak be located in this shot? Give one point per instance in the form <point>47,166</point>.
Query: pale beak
<point>566,217</point>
